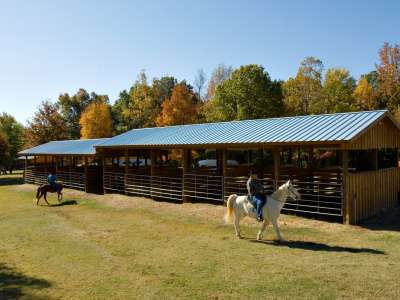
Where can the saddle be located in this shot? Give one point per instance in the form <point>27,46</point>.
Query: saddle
<point>253,202</point>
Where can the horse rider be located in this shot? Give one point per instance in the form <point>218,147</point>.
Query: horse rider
<point>257,195</point>
<point>52,180</point>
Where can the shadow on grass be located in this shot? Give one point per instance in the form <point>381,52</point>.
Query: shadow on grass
<point>11,180</point>
<point>312,246</point>
<point>64,203</point>
<point>15,285</point>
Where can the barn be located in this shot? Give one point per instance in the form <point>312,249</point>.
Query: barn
<point>346,164</point>
<point>73,161</point>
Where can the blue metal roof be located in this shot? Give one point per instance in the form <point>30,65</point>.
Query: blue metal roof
<point>68,147</point>
<point>340,127</point>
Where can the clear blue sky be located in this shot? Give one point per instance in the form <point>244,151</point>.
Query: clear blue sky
<point>51,47</point>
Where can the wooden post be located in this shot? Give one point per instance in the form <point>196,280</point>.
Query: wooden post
<point>185,168</point>
<point>224,165</point>
<point>45,164</point>
<point>346,199</point>
<point>126,169</point>
<point>152,169</point>
<point>25,167</point>
<point>86,175</point>
<point>103,164</point>
<point>275,154</point>
<point>261,166</point>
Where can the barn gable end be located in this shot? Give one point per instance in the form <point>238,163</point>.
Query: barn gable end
<point>384,133</point>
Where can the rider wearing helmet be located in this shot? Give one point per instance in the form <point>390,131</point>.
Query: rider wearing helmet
<point>256,194</point>
<point>52,180</point>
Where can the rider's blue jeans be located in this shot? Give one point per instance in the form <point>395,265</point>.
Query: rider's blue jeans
<point>259,201</point>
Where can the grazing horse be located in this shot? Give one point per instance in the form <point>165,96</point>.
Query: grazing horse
<point>239,207</point>
<point>47,188</point>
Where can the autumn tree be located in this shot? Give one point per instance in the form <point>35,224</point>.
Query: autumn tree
<point>181,108</point>
<point>46,125</point>
<point>248,94</point>
<point>73,106</point>
<point>303,93</point>
<point>365,95</point>
<point>218,76</point>
<point>13,132</point>
<point>120,105</point>
<point>388,71</point>
<point>140,111</point>
<point>337,92</point>
<point>96,121</point>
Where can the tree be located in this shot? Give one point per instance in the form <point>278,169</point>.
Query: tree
<point>14,134</point>
<point>73,106</point>
<point>218,76</point>
<point>96,121</point>
<point>4,151</point>
<point>120,105</point>
<point>337,90</point>
<point>142,107</point>
<point>365,95</point>
<point>162,89</point>
<point>303,93</point>
<point>46,125</point>
<point>199,83</point>
<point>248,94</point>
<point>389,76</point>
<point>181,108</point>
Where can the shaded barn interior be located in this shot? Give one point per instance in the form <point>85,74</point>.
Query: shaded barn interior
<point>74,162</point>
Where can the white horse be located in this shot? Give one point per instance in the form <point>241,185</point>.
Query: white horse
<point>239,207</point>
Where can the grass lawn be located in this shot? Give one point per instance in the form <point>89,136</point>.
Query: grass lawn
<point>117,247</point>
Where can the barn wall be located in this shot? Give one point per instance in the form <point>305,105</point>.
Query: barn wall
<point>384,134</point>
<point>371,192</point>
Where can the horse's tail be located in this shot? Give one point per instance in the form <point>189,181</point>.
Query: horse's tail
<point>229,208</point>
<point>38,192</point>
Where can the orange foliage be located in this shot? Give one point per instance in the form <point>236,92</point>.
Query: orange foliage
<point>181,108</point>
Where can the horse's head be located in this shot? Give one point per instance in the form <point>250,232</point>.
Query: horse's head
<point>292,191</point>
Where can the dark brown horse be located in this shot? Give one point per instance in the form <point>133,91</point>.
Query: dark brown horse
<point>47,188</point>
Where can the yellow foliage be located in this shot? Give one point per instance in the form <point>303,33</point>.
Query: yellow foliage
<point>96,121</point>
<point>365,95</point>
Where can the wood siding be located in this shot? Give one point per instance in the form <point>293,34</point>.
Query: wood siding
<point>383,134</point>
<point>371,192</point>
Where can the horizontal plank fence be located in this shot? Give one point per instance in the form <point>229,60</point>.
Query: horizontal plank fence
<point>74,180</point>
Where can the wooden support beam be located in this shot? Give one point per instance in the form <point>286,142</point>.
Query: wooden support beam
<point>261,166</point>
<point>45,164</point>
<point>276,157</point>
<point>103,167</point>
<point>185,168</point>
<point>126,169</point>
<point>224,165</point>
<point>152,169</point>
<point>25,166</point>
<point>86,175</point>
<point>346,197</point>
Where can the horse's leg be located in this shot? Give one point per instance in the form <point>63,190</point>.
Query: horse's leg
<point>276,228</point>
<point>262,229</point>
<point>45,198</point>
<point>236,223</point>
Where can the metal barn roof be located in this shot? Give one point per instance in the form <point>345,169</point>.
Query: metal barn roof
<point>68,147</point>
<point>339,127</point>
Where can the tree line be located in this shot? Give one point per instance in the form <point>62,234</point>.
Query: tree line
<point>247,92</point>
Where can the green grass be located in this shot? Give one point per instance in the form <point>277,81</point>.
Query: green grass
<point>92,250</point>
